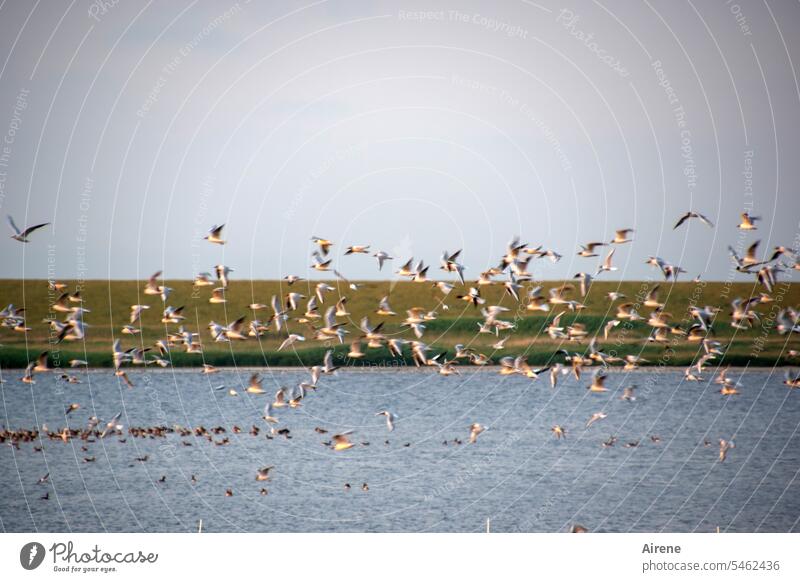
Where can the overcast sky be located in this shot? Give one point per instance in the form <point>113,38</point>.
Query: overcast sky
<point>133,127</point>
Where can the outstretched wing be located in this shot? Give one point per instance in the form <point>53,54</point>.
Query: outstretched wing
<point>705,220</point>
<point>12,224</point>
<point>30,229</point>
<point>682,219</point>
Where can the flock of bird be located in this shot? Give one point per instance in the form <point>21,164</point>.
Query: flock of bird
<point>511,273</point>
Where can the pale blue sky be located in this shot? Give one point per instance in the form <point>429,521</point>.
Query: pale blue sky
<point>361,122</point>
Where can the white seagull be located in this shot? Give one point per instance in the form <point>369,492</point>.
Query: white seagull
<point>390,418</point>
<point>215,235</point>
<point>22,235</point>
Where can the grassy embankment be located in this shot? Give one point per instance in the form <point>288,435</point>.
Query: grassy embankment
<point>109,303</point>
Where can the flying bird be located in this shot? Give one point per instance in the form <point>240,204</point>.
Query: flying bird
<point>474,430</point>
<point>341,442</point>
<point>692,214</point>
<point>382,257</point>
<point>263,473</point>
<point>621,236</point>
<point>22,235</point>
<point>595,417</point>
<point>215,235</point>
<point>390,418</point>
<point>748,222</point>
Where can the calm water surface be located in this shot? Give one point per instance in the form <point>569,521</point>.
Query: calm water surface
<point>517,473</point>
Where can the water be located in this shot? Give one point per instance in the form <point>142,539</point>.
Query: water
<point>517,473</point>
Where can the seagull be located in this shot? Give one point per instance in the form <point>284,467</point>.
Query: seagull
<point>382,257</point>
<point>173,314</point>
<point>559,431</point>
<point>627,311</point>
<point>371,334</point>
<point>486,277</point>
<point>341,441</point>
<point>512,287</point>
<point>586,281</point>
<point>744,264</point>
<point>407,270</point>
<point>474,430</point>
<point>215,235</point>
<point>61,305</point>
<point>41,363</point>
<point>609,326</point>
<point>792,380</point>
<point>327,363</point>
<point>152,287</point>
<point>293,337</point>
<point>263,473</point>
<point>587,250</point>
<point>217,295</point>
<point>22,235</point>
<point>479,359</point>
<point>203,280</point>
<point>341,307</point>
<point>292,279</point>
<point>254,386</point>
<point>500,344</point>
<point>779,251</point>
<point>535,300</point>
<point>554,328</point>
<point>450,265</point>
<point>112,425</point>
<point>748,222</point>
<point>384,308</point>
<point>724,447</point>
<point>312,310</point>
<point>557,295</point>
<point>473,297</point>
<point>621,236</point>
<point>551,254</point>
<point>292,300</point>
<point>633,361</point>
<point>651,299</point>
<point>357,249</point>
<point>268,414</point>
<point>692,214</point>
<point>598,382</point>
<point>355,350</point>
<point>444,286</point>
<point>390,418</point>
<point>395,346</point>
<point>136,312</point>
<point>321,289</point>
<point>222,274</point>
<point>324,244</point>
<point>319,263</point>
<point>595,417</point>
<point>606,265</point>
<point>556,371</point>
<point>420,273</point>
<point>27,378</point>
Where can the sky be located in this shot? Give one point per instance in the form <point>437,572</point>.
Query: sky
<point>133,127</point>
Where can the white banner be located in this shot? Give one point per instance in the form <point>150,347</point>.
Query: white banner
<point>351,557</point>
